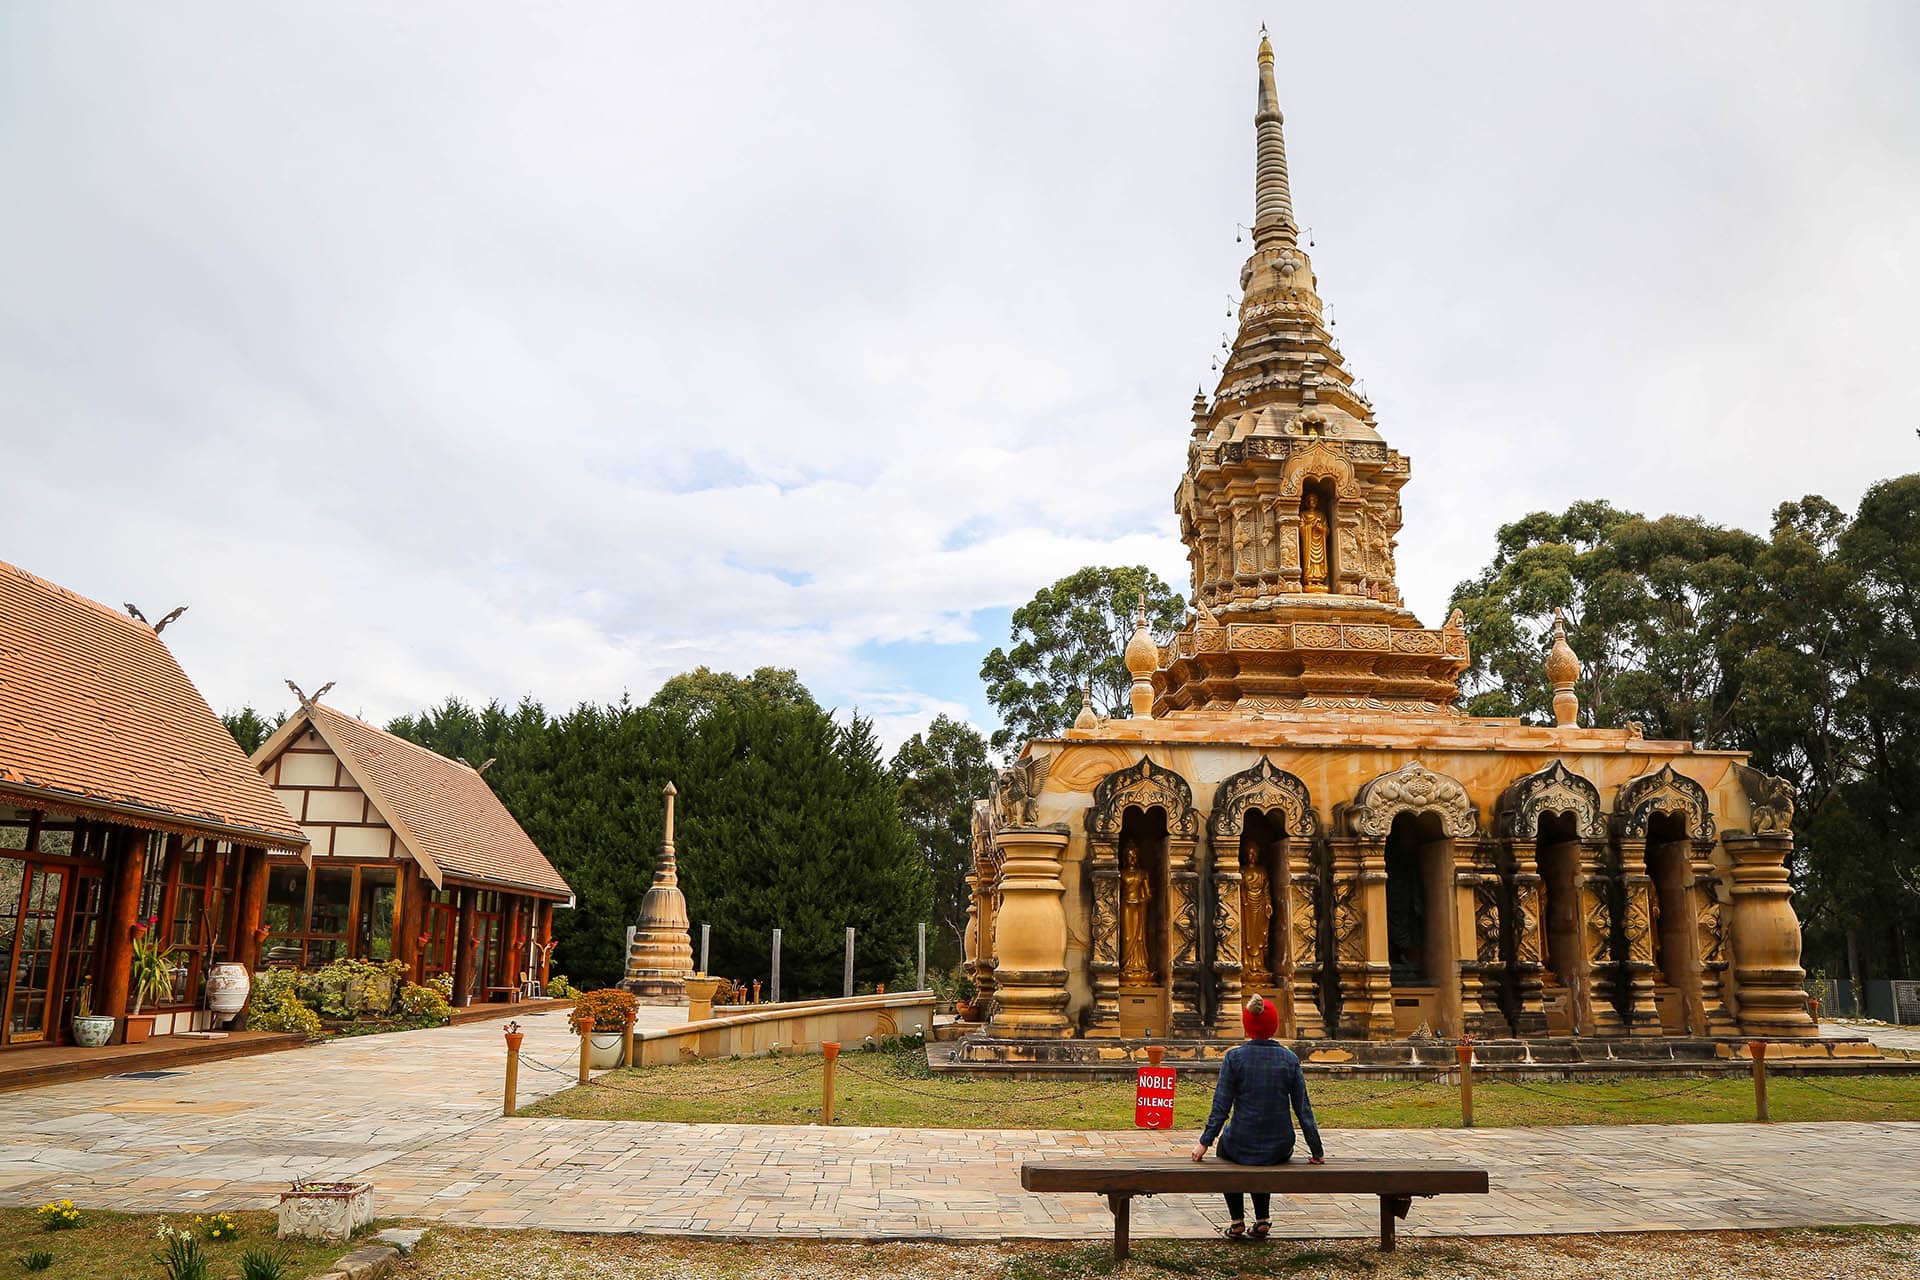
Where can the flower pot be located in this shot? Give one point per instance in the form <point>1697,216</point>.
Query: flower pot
<point>966,1010</point>
<point>227,988</point>
<point>92,1032</point>
<point>325,1210</point>
<point>607,1047</point>
<point>139,1027</point>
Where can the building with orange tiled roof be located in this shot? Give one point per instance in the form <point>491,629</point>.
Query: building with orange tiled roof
<point>125,809</point>
<point>411,857</point>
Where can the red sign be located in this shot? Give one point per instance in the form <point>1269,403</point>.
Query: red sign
<point>1153,1098</point>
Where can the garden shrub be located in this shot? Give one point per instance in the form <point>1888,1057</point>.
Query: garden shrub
<point>423,1006</point>
<point>610,1008</point>
<point>275,1004</point>
<point>561,989</point>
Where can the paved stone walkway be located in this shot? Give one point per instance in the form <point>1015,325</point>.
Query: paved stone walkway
<point>419,1114</point>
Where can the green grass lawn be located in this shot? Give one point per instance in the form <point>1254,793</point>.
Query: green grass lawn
<point>122,1246</point>
<point>875,1088</point>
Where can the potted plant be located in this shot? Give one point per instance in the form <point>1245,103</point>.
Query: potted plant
<point>90,1030</point>
<point>152,979</point>
<point>612,1011</point>
<point>966,999</point>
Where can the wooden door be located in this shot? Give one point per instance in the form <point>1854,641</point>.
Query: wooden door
<point>32,972</point>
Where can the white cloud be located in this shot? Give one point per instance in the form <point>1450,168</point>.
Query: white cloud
<point>439,350</point>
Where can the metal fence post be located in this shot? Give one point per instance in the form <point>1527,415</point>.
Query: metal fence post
<point>775,984</point>
<point>706,936</point>
<point>920,980</point>
<point>849,982</point>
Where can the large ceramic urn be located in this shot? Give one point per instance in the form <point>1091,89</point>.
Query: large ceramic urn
<point>227,988</point>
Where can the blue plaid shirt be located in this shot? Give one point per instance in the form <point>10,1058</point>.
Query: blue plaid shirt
<point>1259,1081</point>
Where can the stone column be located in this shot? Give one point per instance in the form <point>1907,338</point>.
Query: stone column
<point>1228,955</point>
<point>1526,952</point>
<point>130,862</point>
<point>1710,929</point>
<point>987,962</point>
<point>1594,1012</point>
<point>1301,903</point>
<point>1030,938</point>
<point>1359,919</point>
<point>1637,923</point>
<point>1477,897</point>
<point>1766,938</point>
<point>1185,941</point>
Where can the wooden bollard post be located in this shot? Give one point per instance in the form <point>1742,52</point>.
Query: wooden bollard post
<point>626,1046</point>
<point>1758,1048</point>
<point>1465,1052</point>
<point>514,1037</point>
<point>831,1052</point>
<point>585,1025</point>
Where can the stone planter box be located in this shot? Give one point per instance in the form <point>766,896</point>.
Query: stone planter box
<point>325,1210</point>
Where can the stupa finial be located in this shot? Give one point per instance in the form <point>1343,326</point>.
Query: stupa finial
<point>1272,199</point>
<point>1086,719</point>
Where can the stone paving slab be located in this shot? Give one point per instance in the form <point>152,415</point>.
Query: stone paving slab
<point>418,1113</point>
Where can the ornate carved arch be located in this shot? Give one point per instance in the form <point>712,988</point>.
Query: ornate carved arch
<point>1264,786</point>
<point>1412,788</point>
<point>1317,461</point>
<point>1142,786</point>
<point>1554,789</point>
<point>1662,792</point>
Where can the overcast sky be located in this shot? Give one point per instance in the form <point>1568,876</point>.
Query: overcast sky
<point>553,349</point>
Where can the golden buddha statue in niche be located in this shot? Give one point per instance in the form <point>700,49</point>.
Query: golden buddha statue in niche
<point>1314,556</point>
<point>1256,918</point>
<point>1135,893</point>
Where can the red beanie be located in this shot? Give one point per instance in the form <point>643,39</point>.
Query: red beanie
<point>1261,1018</point>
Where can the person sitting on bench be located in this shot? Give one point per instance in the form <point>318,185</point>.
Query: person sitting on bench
<point>1259,1081</point>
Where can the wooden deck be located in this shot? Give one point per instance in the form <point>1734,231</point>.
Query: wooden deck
<point>57,1064</point>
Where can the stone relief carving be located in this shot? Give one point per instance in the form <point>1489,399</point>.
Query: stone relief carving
<point>1412,788</point>
<point>1598,920</point>
<point>1186,926</point>
<point>1526,906</point>
<point>1349,932</point>
<point>1226,934</point>
<point>1016,792</point>
<point>1639,923</point>
<point>1106,919</point>
<point>1486,920</point>
<point>1663,792</point>
<point>1319,459</point>
<point>1305,922</point>
<point>1142,786</point>
<point>1710,920</point>
<point>1554,789</point>
<point>1770,801</point>
<point>1264,786</point>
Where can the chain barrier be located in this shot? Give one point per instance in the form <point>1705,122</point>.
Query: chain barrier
<point>1321,1089</point>
<point>1685,1090</point>
<point>857,1073</point>
<point>705,1091</point>
<point>1824,1087</point>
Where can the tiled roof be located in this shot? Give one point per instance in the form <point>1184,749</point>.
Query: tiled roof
<point>443,811</point>
<point>96,716</point>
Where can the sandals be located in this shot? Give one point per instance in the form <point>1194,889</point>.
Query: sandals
<point>1262,1228</point>
<point>1237,1230</point>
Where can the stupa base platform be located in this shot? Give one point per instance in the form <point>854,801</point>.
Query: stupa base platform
<point>1567,1056</point>
<point>651,990</point>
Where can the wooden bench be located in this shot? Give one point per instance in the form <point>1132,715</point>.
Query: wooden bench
<point>1395,1182</point>
<point>503,995</point>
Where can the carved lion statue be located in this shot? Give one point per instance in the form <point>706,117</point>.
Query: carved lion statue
<point>1016,792</point>
<point>1769,799</point>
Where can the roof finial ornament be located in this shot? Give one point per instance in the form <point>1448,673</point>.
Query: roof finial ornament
<point>306,701</point>
<point>1143,655</point>
<point>1563,670</point>
<point>1086,719</point>
<point>133,612</point>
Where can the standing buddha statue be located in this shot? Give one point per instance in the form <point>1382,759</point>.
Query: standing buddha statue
<point>1256,915</point>
<point>1135,893</point>
<point>1313,545</point>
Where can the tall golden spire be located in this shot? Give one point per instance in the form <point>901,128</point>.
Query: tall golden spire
<point>1273,222</point>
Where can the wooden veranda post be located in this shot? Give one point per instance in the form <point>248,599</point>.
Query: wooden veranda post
<point>463,951</point>
<point>131,846</point>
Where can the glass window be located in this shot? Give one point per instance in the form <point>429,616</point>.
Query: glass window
<point>153,882</point>
<point>286,916</point>
<point>332,901</point>
<point>57,841</point>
